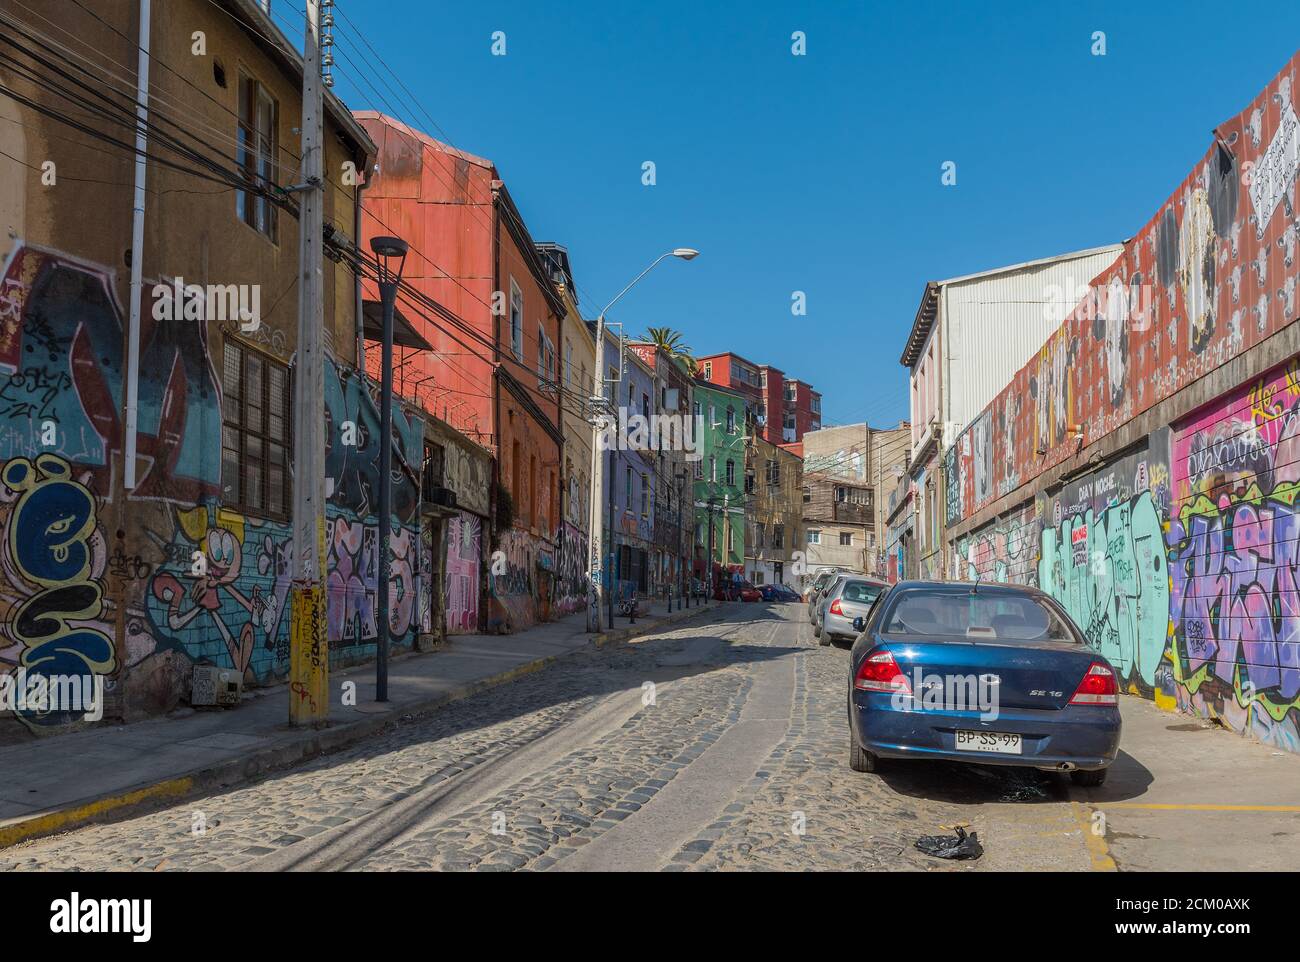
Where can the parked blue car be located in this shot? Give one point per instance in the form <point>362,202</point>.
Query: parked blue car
<point>991,674</point>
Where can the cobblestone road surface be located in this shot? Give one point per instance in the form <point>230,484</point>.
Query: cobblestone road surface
<point>716,745</point>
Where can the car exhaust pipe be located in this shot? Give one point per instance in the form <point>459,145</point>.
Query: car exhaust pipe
<point>1066,767</point>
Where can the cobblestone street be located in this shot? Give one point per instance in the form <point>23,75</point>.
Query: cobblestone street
<point>716,745</point>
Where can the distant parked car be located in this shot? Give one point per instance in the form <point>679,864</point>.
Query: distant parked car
<point>747,592</point>
<point>1043,697</point>
<point>769,593</point>
<point>786,593</point>
<point>847,598</point>
<point>819,609</point>
<point>819,582</point>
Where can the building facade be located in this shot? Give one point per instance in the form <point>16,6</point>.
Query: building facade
<point>719,486</point>
<point>190,561</point>
<point>839,500</point>
<point>784,409</point>
<point>1140,468</point>
<point>774,512</point>
<point>482,297</point>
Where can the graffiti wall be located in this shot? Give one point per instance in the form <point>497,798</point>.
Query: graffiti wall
<point>1234,602</point>
<point>1004,551</point>
<point>1102,556</point>
<point>521,578</point>
<point>572,586</point>
<point>135,592</point>
<point>1211,275</point>
<point>464,557</point>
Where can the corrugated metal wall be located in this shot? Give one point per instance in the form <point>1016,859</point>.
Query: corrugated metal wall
<point>996,324</point>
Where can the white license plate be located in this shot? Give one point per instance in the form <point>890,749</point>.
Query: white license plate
<point>997,742</point>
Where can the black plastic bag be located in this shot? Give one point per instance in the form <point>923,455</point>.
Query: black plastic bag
<point>959,846</point>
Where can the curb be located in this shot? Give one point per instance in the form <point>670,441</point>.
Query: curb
<point>141,797</point>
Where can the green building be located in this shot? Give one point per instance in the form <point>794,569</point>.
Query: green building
<point>719,480</point>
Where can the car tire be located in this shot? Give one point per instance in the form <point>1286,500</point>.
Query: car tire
<point>817,630</point>
<point>1089,779</point>
<point>861,760</point>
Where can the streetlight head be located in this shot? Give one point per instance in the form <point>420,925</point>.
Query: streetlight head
<point>686,253</point>
<point>388,246</point>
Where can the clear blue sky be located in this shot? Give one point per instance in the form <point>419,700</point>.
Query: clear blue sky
<point>821,173</point>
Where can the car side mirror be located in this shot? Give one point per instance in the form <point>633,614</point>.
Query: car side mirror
<point>859,624</point>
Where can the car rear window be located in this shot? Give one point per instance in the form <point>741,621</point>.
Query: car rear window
<point>971,616</point>
<point>863,592</point>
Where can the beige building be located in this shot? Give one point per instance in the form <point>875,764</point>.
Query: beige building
<point>774,510</point>
<point>577,385</point>
<point>839,500</point>
<point>890,448</point>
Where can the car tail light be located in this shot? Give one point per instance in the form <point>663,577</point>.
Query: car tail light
<point>879,672</point>
<point>836,609</point>
<point>1099,687</point>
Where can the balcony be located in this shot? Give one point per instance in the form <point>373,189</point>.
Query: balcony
<point>852,513</point>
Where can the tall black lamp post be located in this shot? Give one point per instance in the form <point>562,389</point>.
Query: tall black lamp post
<point>390,258</point>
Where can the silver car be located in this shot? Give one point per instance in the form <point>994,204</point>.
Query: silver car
<point>847,598</point>
<point>819,583</point>
<point>819,607</point>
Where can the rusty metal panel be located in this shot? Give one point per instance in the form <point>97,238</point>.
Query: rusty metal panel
<point>1210,275</point>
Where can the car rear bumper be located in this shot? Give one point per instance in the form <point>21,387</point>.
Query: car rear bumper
<point>838,626</point>
<point>1077,736</point>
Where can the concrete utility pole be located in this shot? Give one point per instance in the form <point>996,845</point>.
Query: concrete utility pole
<point>595,575</point>
<point>308,642</point>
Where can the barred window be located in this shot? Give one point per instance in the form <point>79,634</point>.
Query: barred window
<point>254,432</point>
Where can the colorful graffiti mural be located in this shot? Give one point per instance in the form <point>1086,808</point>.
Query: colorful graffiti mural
<point>1233,537</point>
<point>1102,555</point>
<point>55,556</point>
<point>464,557</point>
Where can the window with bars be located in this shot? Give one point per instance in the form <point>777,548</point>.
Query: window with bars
<point>255,439</point>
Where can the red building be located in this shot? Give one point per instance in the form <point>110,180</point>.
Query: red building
<point>492,318</point>
<point>784,409</point>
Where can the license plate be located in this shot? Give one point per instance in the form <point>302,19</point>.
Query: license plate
<point>997,742</point>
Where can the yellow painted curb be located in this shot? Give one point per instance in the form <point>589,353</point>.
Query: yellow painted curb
<point>55,821</point>
<point>1098,850</point>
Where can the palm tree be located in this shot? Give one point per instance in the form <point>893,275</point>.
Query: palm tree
<point>671,342</point>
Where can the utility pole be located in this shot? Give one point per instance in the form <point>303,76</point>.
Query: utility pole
<point>308,643</point>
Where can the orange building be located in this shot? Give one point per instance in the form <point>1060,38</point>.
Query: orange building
<point>480,295</point>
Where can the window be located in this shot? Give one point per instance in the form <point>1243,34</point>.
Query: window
<point>516,321</point>
<point>731,473</point>
<point>757,579</point>
<point>778,536</point>
<point>627,488</point>
<point>708,370</point>
<point>568,363</point>
<point>852,495</point>
<point>814,536</point>
<point>697,409</point>
<point>713,469</point>
<point>645,496</point>
<point>699,470</point>
<point>731,420</point>
<point>760,532</point>
<point>816,404</point>
<point>645,407</point>
<point>749,482</point>
<point>255,154</point>
<point>255,442</point>
<point>846,539</point>
<point>807,495</point>
<point>773,472</point>
<point>789,391</point>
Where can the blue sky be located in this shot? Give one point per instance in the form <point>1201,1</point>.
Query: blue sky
<point>820,173</point>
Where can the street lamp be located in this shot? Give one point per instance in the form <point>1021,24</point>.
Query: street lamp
<point>598,558</point>
<point>388,251</point>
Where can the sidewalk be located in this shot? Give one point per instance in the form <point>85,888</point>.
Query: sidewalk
<point>56,783</point>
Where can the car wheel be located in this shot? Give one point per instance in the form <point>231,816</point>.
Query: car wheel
<point>861,760</point>
<point>1089,779</point>
<point>817,630</point>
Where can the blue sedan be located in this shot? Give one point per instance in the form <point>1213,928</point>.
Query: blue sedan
<point>991,674</point>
